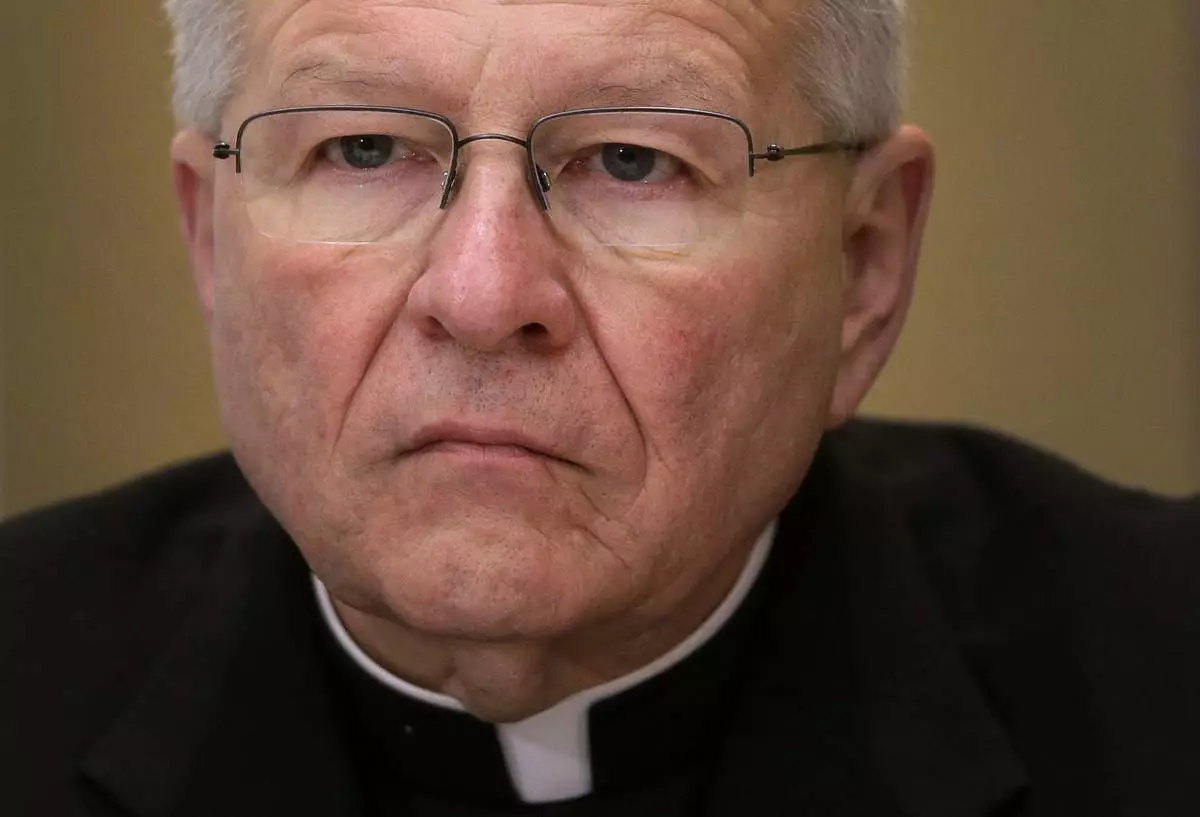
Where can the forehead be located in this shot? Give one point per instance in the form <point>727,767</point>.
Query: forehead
<point>461,54</point>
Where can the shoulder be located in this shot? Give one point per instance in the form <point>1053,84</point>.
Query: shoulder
<point>117,533</point>
<point>984,461</point>
<point>91,588</point>
<point>156,534</point>
<point>1072,600</point>
<point>941,474</point>
<point>991,515</point>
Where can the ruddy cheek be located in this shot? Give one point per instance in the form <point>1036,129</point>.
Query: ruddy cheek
<point>672,384</point>
<point>262,360</point>
<point>323,313</point>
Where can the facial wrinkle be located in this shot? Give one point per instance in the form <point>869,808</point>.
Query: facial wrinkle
<point>375,347</point>
<point>657,76</point>
<point>660,73</point>
<point>322,55</point>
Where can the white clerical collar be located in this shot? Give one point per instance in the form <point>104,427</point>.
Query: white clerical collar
<point>549,754</point>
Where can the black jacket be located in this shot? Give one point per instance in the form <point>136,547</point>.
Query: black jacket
<point>959,626</point>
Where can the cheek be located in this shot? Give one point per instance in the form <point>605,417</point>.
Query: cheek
<point>729,377</point>
<point>711,365</point>
<point>293,331</point>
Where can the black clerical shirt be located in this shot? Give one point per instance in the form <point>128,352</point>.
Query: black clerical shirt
<point>650,744</point>
<point>950,624</point>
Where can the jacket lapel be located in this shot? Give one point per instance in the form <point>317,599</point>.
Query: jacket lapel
<point>236,718</point>
<point>859,701</point>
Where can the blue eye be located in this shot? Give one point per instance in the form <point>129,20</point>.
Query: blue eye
<point>635,163</point>
<point>361,151</point>
<point>629,163</point>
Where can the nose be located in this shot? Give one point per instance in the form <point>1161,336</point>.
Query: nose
<point>495,275</point>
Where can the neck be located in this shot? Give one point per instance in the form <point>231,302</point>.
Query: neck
<point>509,681</point>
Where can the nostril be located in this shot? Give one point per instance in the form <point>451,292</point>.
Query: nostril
<point>434,328</point>
<point>534,330</point>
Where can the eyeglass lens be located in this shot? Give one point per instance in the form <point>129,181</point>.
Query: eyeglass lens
<point>631,178</point>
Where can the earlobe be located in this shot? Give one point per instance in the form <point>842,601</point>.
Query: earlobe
<point>886,210</point>
<point>192,172</point>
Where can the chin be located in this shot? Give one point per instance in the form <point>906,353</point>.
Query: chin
<point>487,585</point>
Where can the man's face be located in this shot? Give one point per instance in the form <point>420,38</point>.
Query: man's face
<point>495,435</point>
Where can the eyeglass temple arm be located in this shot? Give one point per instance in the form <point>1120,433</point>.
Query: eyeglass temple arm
<point>775,153</point>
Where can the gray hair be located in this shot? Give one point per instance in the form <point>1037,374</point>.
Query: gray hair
<point>850,56</point>
<point>207,48</point>
<point>850,62</point>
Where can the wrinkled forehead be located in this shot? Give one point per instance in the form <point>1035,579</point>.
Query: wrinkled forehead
<point>521,58</point>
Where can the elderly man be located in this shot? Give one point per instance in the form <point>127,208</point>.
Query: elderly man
<point>537,329</point>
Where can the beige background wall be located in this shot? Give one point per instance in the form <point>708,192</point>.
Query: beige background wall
<point>1060,297</point>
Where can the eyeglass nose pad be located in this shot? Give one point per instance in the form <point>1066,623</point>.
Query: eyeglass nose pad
<point>449,184</point>
<point>541,186</point>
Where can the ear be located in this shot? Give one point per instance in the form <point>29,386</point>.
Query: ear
<point>886,209</point>
<point>193,171</point>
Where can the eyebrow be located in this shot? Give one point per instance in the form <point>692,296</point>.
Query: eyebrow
<point>671,87</point>
<point>327,72</point>
<point>671,84</point>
